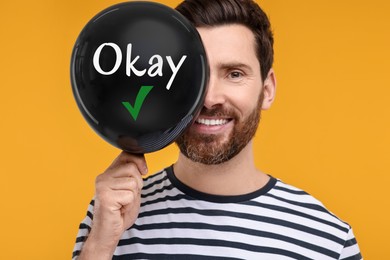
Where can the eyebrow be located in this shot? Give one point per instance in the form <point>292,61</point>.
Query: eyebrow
<point>234,65</point>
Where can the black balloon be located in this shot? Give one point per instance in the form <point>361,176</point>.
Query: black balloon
<point>139,74</point>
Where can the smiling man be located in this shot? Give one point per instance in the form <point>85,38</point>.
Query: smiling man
<point>213,203</point>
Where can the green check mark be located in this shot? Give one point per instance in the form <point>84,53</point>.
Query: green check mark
<point>139,100</point>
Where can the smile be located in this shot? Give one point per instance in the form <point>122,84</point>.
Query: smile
<point>212,122</point>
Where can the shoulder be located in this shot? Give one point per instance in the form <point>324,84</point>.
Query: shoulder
<point>293,196</point>
<point>306,213</point>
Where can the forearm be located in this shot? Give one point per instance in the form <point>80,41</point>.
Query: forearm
<point>114,210</point>
<point>95,250</point>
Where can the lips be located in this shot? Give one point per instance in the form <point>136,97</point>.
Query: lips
<point>211,122</point>
<point>214,121</point>
<point>212,125</point>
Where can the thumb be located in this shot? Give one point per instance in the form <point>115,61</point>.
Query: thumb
<point>137,159</point>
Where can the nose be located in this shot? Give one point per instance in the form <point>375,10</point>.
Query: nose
<point>215,95</point>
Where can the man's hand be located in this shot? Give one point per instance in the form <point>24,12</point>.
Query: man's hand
<point>117,203</point>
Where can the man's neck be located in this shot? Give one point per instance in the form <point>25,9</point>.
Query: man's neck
<point>237,176</point>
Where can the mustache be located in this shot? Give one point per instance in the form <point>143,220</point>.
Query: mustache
<point>219,111</point>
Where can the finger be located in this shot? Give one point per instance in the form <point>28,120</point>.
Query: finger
<point>128,208</point>
<point>118,177</point>
<point>125,198</point>
<point>125,183</point>
<point>124,170</point>
<point>137,159</point>
<point>129,170</point>
<point>115,199</point>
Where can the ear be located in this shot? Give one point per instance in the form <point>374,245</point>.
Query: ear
<point>269,90</point>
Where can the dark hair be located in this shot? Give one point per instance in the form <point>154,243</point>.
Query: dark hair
<point>204,13</point>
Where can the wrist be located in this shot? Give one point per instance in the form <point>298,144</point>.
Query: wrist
<point>97,249</point>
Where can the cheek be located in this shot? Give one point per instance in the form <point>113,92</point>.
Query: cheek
<point>245,101</point>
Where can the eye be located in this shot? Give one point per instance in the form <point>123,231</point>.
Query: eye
<point>235,75</point>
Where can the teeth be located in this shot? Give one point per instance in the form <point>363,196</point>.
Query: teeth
<point>211,122</point>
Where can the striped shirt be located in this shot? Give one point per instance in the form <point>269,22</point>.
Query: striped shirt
<point>277,221</point>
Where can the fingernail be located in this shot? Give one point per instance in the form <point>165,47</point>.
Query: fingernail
<point>145,170</point>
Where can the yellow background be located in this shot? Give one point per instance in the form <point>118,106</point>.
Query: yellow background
<point>327,133</point>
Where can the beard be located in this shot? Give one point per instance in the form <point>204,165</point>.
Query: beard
<point>212,149</point>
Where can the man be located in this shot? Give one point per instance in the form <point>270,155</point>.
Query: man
<point>213,202</point>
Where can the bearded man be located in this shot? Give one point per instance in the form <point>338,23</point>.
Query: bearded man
<point>213,203</point>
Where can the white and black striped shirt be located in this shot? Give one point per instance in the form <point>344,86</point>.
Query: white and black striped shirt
<point>275,222</point>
